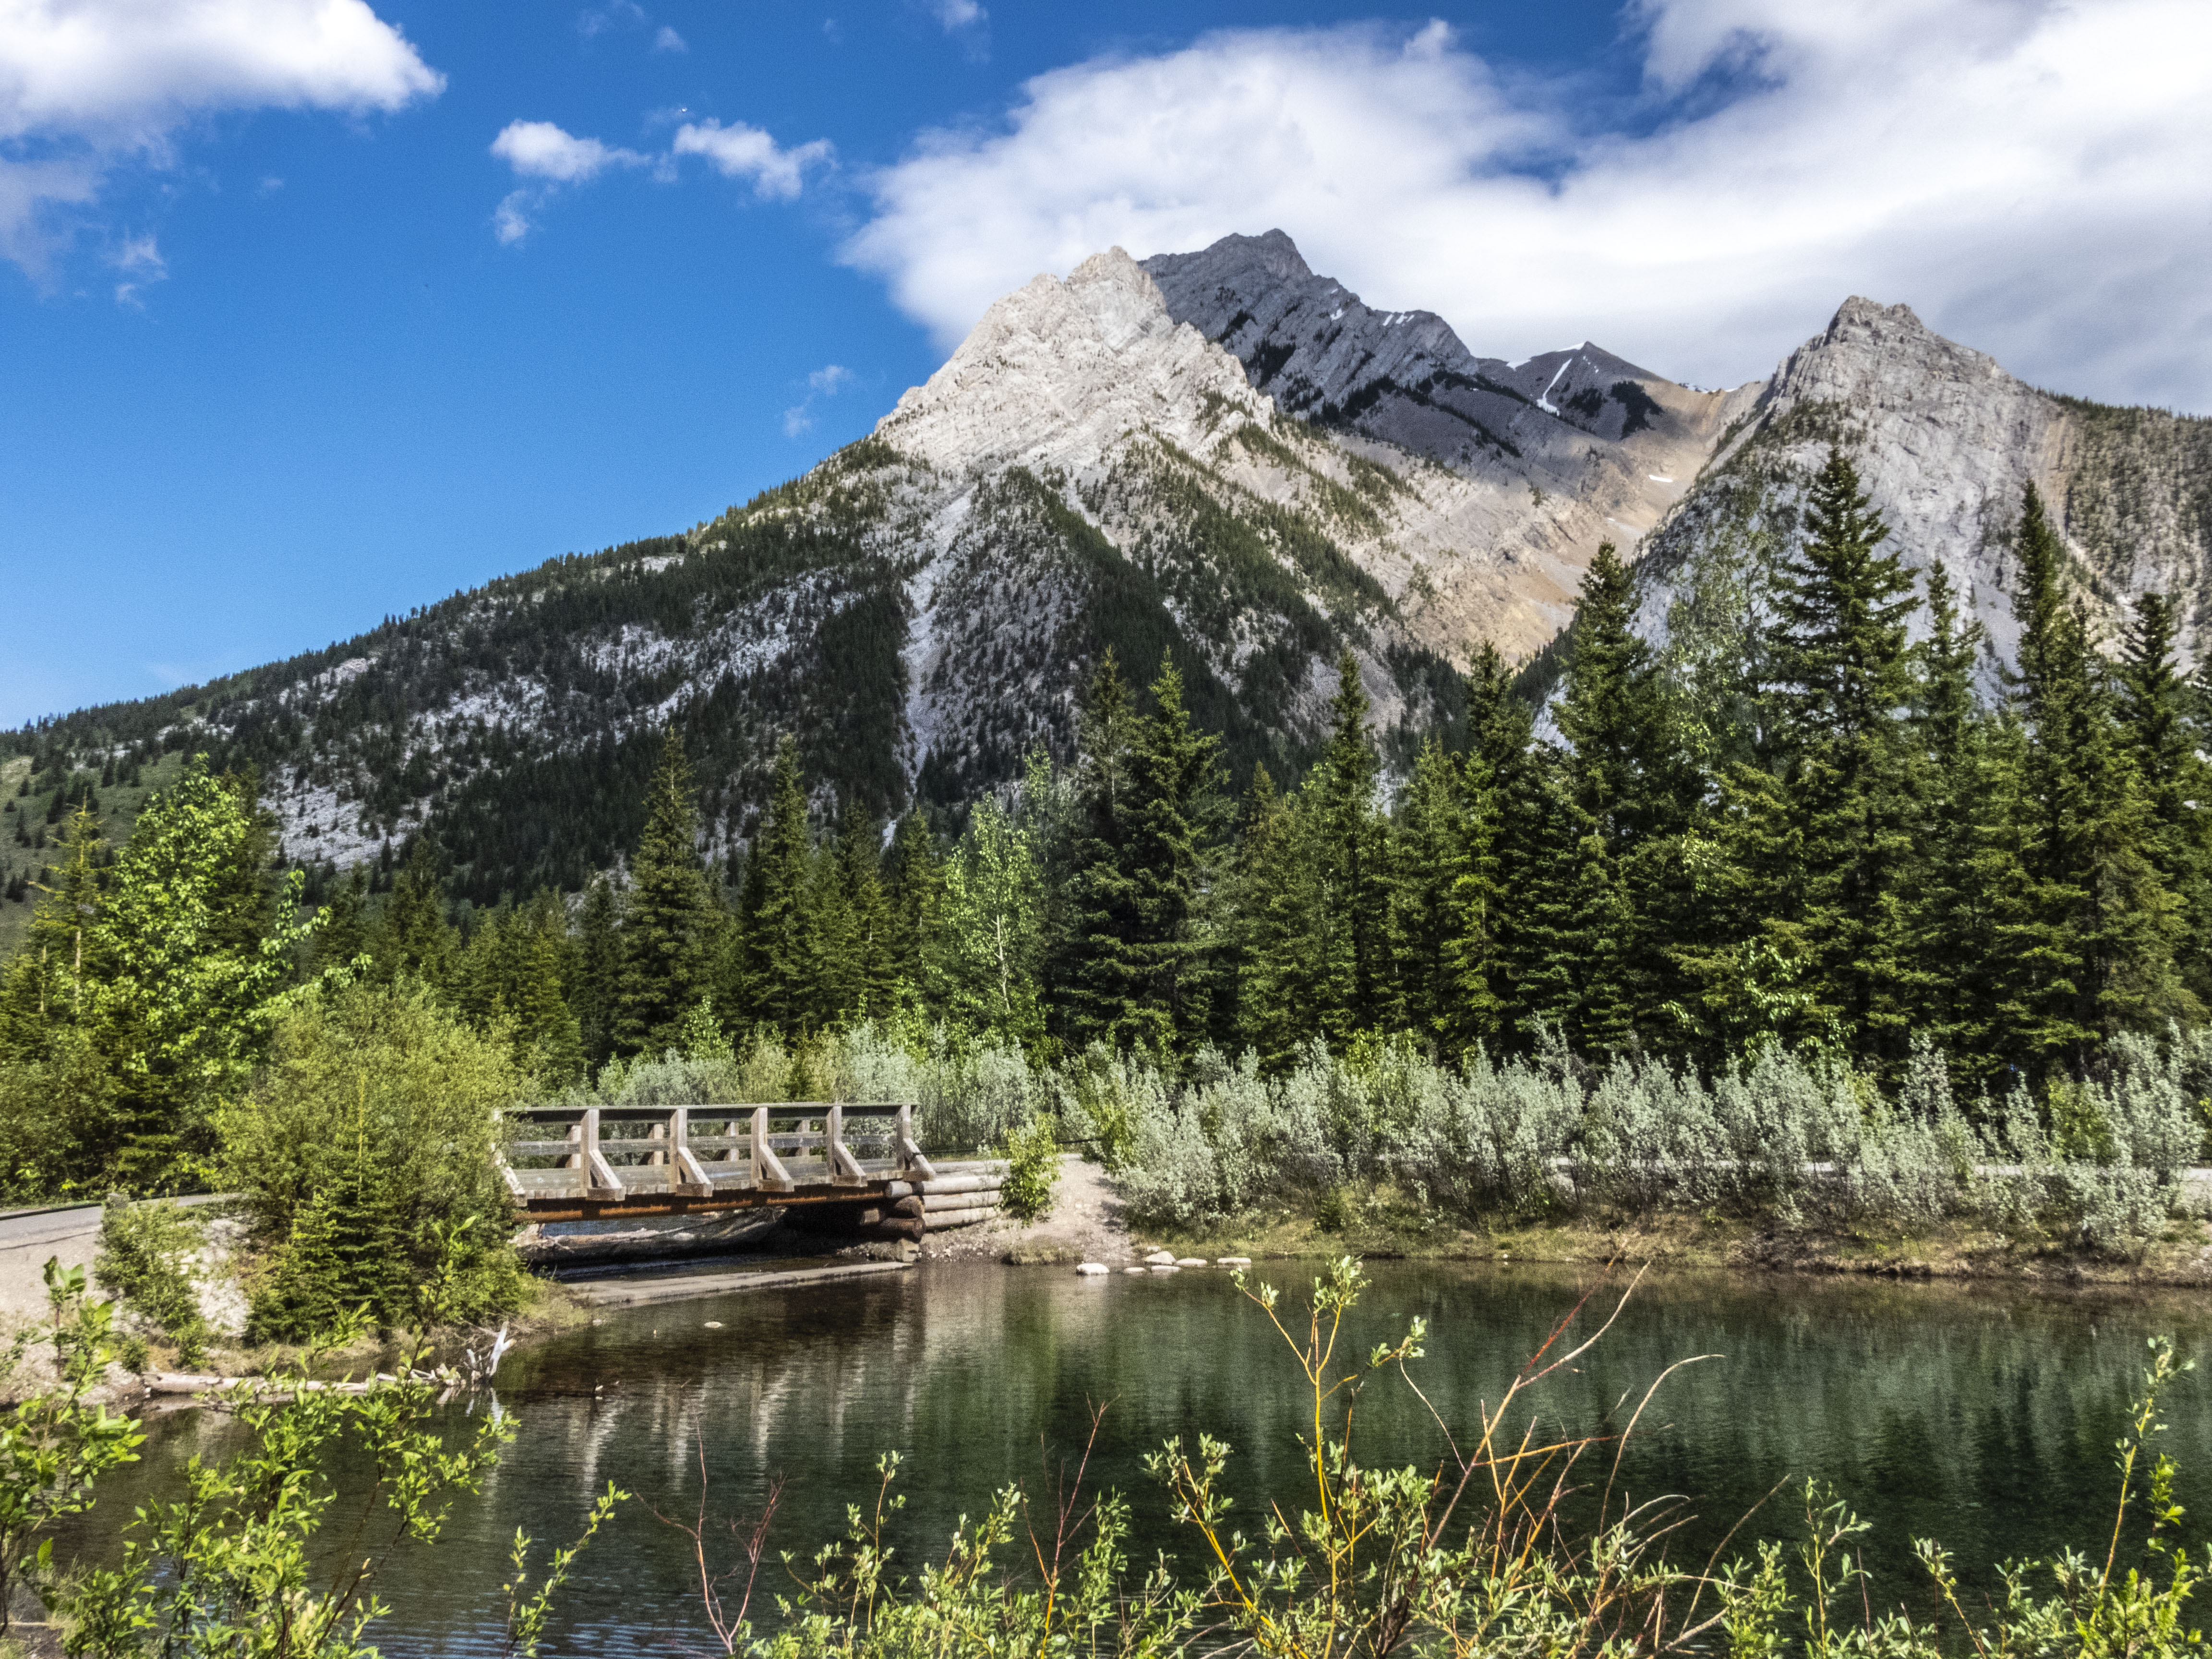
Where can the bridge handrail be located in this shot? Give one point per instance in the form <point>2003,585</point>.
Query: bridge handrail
<point>668,1142</point>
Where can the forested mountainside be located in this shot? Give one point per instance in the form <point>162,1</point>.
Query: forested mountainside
<point>1218,459</point>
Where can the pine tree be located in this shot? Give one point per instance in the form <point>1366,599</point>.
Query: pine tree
<point>1351,849</point>
<point>1434,850</point>
<point>671,931</point>
<point>1843,680</point>
<point>1507,976</point>
<point>2096,948</point>
<point>913,893</point>
<point>1099,955</point>
<point>342,929</point>
<point>780,941</point>
<point>1965,885</point>
<point>1297,982</point>
<point>1173,804</point>
<point>2153,713</point>
<point>412,938</point>
<point>870,976</point>
<point>597,994</point>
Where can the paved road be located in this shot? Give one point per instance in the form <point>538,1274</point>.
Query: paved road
<point>25,1241</point>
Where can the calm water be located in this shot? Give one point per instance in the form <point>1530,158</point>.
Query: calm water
<point>1984,1418</point>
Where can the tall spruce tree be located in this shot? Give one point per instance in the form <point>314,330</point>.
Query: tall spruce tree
<point>2154,706</point>
<point>1844,678</point>
<point>1174,809</point>
<point>2095,949</point>
<point>1100,959</point>
<point>913,885</point>
<point>597,997</point>
<point>413,937</point>
<point>1507,976</point>
<point>670,933</point>
<point>1349,844</point>
<point>780,952</point>
<point>1437,845</point>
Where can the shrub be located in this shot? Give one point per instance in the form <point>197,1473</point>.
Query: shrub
<point>1032,1153</point>
<point>146,1258</point>
<point>369,1133</point>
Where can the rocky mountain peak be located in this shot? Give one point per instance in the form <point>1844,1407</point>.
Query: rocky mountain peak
<point>1059,369</point>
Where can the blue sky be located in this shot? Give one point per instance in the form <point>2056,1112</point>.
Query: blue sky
<point>274,364</point>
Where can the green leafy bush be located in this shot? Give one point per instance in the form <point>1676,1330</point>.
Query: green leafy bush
<point>1032,1169</point>
<point>372,1126</point>
<point>146,1258</point>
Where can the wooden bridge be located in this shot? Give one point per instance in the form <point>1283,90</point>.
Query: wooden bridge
<point>605,1162</point>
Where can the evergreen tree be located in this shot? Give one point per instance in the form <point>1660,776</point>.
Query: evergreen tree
<point>1842,681</point>
<point>1173,806</point>
<point>1100,950</point>
<point>671,931</point>
<point>1437,846</point>
<point>869,974</point>
<point>2153,713</point>
<point>598,993</point>
<point>914,886</point>
<point>1297,983</point>
<point>1965,885</point>
<point>343,926</point>
<point>2095,949</point>
<point>780,956</point>
<point>1509,979</point>
<point>412,938</point>
<point>1350,845</point>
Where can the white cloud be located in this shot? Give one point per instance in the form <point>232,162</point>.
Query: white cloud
<point>824,382</point>
<point>738,151</point>
<point>667,40</point>
<point>958,13</point>
<point>2034,176</point>
<point>549,157</point>
<point>139,258</point>
<point>539,149</point>
<point>597,19</point>
<point>86,85</point>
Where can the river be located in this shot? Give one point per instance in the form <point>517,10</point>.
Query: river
<point>1982,1416</point>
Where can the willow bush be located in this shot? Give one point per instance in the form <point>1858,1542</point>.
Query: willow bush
<point>1781,1134</point>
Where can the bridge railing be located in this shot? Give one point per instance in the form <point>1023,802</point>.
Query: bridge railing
<point>604,1154</point>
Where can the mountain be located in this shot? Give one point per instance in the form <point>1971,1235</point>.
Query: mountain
<point>1219,458</point>
<point>1946,442</point>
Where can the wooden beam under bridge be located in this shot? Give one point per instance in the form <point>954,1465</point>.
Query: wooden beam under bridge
<point>609,1162</point>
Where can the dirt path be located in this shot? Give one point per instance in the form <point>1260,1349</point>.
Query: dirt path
<point>1086,1223</point>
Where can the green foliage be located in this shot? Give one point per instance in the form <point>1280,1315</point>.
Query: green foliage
<point>364,1154</point>
<point>146,1259</point>
<point>165,969</point>
<point>238,1563</point>
<point>56,1443</point>
<point>1032,1155</point>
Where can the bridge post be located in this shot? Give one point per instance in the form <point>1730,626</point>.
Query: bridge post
<point>685,1175</point>
<point>912,1164</point>
<point>769,1173</point>
<point>600,1181</point>
<point>844,1169</point>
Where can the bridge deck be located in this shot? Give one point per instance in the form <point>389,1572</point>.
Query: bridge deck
<point>585,1163</point>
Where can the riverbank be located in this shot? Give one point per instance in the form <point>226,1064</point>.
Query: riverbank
<point>1384,1226</point>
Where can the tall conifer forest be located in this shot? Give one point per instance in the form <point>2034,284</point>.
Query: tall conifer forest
<point>1858,839</point>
